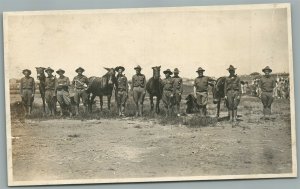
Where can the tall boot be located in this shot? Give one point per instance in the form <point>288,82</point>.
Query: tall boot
<point>178,110</point>
<point>234,115</point>
<point>77,110</point>
<point>70,110</point>
<point>84,108</point>
<point>204,111</point>
<point>123,110</point>
<point>230,115</point>
<point>141,110</point>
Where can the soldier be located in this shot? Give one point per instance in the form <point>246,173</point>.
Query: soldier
<point>27,90</point>
<point>50,86</point>
<point>201,90</point>
<point>168,92</point>
<point>232,91</point>
<point>267,84</point>
<point>62,92</point>
<point>80,83</point>
<point>121,90</point>
<point>139,90</point>
<point>178,90</point>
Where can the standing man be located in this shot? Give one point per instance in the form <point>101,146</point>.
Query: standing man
<point>139,90</point>
<point>50,95</point>
<point>80,83</point>
<point>121,90</point>
<point>232,91</point>
<point>178,90</point>
<point>168,92</point>
<point>27,90</point>
<point>62,92</point>
<point>267,84</point>
<point>201,90</point>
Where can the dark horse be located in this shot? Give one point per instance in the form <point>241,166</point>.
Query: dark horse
<point>41,77</point>
<point>155,88</point>
<point>101,86</point>
<point>218,93</point>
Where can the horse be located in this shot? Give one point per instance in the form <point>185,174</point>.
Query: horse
<point>101,86</point>
<point>155,88</point>
<point>41,77</point>
<point>218,93</point>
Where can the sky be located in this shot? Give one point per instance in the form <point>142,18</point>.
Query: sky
<point>183,39</point>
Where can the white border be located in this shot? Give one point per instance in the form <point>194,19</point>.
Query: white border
<point>152,179</point>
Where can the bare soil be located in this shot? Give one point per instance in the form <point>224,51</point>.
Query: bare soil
<point>65,148</point>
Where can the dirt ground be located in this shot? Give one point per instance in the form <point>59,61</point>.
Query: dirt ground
<point>65,148</point>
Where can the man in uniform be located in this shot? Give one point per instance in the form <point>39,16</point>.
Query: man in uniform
<point>201,90</point>
<point>168,92</point>
<point>121,90</point>
<point>27,90</point>
<point>80,83</point>
<point>62,92</point>
<point>178,90</point>
<point>267,84</point>
<point>139,90</point>
<point>50,95</point>
<point>232,91</point>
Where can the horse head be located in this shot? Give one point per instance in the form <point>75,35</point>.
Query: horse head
<point>156,72</point>
<point>110,76</point>
<point>218,89</point>
<point>40,72</point>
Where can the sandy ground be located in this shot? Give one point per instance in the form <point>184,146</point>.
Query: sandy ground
<point>125,148</point>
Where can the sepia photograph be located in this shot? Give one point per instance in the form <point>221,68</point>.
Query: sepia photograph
<point>149,94</point>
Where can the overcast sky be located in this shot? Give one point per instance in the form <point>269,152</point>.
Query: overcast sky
<point>247,39</point>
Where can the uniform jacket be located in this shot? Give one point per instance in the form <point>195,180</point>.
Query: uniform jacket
<point>50,83</point>
<point>80,82</point>
<point>168,84</point>
<point>139,80</point>
<point>27,83</point>
<point>178,84</point>
<point>122,83</point>
<point>201,83</point>
<point>63,83</point>
<point>232,83</point>
<point>267,83</point>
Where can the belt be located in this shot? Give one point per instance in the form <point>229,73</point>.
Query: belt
<point>138,86</point>
<point>27,88</point>
<point>201,91</point>
<point>267,91</point>
<point>49,89</point>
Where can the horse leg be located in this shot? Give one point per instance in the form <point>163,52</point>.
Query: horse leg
<point>157,110</point>
<point>91,103</point>
<point>218,108</point>
<point>44,104</point>
<point>151,102</point>
<point>108,101</point>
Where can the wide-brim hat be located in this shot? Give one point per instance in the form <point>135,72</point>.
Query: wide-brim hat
<point>60,70</point>
<point>80,68</point>
<point>176,70</point>
<point>267,68</point>
<point>120,67</point>
<point>200,69</point>
<point>231,68</point>
<point>49,69</point>
<point>26,70</point>
<point>168,71</point>
<point>138,67</point>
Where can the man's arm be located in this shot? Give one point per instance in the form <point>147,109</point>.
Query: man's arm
<point>132,83</point>
<point>21,87</point>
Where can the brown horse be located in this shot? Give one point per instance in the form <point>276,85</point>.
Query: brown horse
<point>101,86</point>
<point>218,93</point>
<point>155,88</point>
<point>41,77</point>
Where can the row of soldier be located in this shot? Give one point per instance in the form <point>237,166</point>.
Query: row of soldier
<point>57,88</point>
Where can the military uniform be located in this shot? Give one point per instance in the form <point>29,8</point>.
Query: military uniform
<point>139,91</point>
<point>62,89</point>
<point>267,85</point>
<point>168,92</point>
<point>201,85</point>
<point>27,90</point>
<point>50,86</point>
<point>232,89</point>
<point>80,83</point>
<point>121,93</point>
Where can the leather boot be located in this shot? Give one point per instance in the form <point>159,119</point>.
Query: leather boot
<point>76,110</point>
<point>141,110</point>
<point>230,115</point>
<point>234,115</point>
